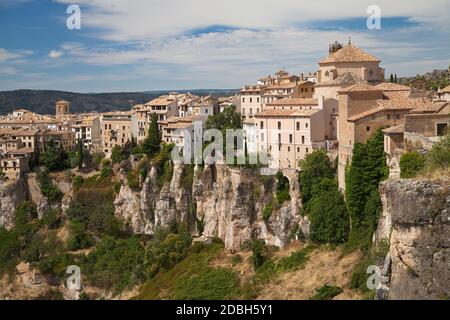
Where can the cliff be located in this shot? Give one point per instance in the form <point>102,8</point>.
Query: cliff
<point>218,202</point>
<point>12,195</point>
<point>416,222</point>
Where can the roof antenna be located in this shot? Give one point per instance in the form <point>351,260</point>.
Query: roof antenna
<point>349,40</point>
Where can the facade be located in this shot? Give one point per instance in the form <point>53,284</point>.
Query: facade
<point>116,130</point>
<point>287,136</point>
<point>251,100</point>
<point>62,109</point>
<point>88,128</point>
<point>64,139</point>
<point>444,94</point>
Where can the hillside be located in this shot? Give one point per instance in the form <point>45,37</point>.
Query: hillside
<point>43,101</point>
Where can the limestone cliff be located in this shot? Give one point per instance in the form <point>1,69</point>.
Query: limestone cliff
<point>12,194</point>
<point>416,221</point>
<point>219,202</point>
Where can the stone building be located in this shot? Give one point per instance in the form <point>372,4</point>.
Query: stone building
<point>116,130</point>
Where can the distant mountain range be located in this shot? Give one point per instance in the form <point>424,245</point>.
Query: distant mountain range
<point>43,101</point>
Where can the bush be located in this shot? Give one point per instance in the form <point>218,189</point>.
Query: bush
<point>133,181</point>
<point>439,155</point>
<point>212,284</point>
<point>236,259</point>
<point>326,292</point>
<point>9,250</point>
<point>77,182</point>
<point>53,158</point>
<point>115,264</point>
<point>315,167</point>
<point>267,211</point>
<point>78,238</point>
<point>259,250</point>
<point>97,158</point>
<point>48,188</point>
<point>329,218</point>
<point>295,261</point>
<point>410,164</point>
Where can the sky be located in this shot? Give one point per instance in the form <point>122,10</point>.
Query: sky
<point>143,45</point>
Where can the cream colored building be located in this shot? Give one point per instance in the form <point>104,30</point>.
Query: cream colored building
<point>444,94</point>
<point>87,127</point>
<point>116,130</point>
<point>287,136</point>
<point>251,100</point>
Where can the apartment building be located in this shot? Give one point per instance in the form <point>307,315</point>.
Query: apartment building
<point>116,130</point>
<point>286,135</point>
<point>87,128</point>
<point>225,102</point>
<point>251,100</point>
<point>164,107</point>
<point>23,118</point>
<point>64,139</point>
<point>205,106</point>
<point>175,128</point>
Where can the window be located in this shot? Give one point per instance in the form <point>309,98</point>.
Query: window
<point>289,149</point>
<point>257,100</point>
<point>298,126</point>
<point>290,138</point>
<point>303,139</point>
<point>367,129</point>
<point>262,124</point>
<point>243,99</point>
<point>279,138</point>
<point>251,111</point>
<point>441,128</point>
<point>279,125</point>
<point>251,100</point>
<point>388,117</point>
<point>106,127</point>
<point>206,110</point>
<point>298,149</point>
<point>306,125</point>
<point>307,150</point>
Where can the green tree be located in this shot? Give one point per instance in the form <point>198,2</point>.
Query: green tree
<point>391,78</point>
<point>117,155</point>
<point>54,158</point>
<point>367,170</point>
<point>439,155</point>
<point>152,143</point>
<point>80,154</point>
<point>315,167</point>
<point>410,164</point>
<point>328,216</point>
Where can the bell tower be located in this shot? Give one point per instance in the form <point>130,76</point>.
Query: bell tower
<point>62,108</point>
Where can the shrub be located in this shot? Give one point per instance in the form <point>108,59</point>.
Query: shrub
<point>236,259</point>
<point>79,238</point>
<point>53,158</point>
<point>315,167</point>
<point>9,250</point>
<point>77,182</point>
<point>439,155</point>
<point>115,264</point>
<point>48,188</point>
<point>267,211</point>
<point>132,180</point>
<point>259,252</point>
<point>326,292</point>
<point>295,261</point>
<point>410,164</point>
<point>329,218</point>
<point>211,284</point>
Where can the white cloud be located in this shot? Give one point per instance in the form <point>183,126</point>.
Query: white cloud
<point>121,20</point>
<point>14,55</point>
<point>55,54</point>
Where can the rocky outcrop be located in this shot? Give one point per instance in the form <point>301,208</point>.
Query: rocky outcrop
<point>36,195</point>
<point>12,194</point>
<point>220,202</point>
<point>416,220</point>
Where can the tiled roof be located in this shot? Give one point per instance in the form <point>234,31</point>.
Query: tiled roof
<point>365,114</point>
<point>430,107</point>
<point>286,113</point>
<point>161,101</point>
<point>350,53</point>
<point>396,129</point>
<point>360,87</point>
<point>387,86</point>
<point>294,101</point>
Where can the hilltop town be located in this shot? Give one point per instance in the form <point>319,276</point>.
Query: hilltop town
<point>357,177</point>
<point>341,104</point>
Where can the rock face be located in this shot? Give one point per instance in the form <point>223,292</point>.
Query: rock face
<point>11,196</point>
<point>219,202</point>
<point>416,220</point>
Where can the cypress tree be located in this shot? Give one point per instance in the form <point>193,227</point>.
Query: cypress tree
<point>151,144</point>
<point>80,154</point>
<point>391,78</point>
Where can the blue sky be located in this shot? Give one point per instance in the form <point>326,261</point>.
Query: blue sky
<point>140,45</point>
